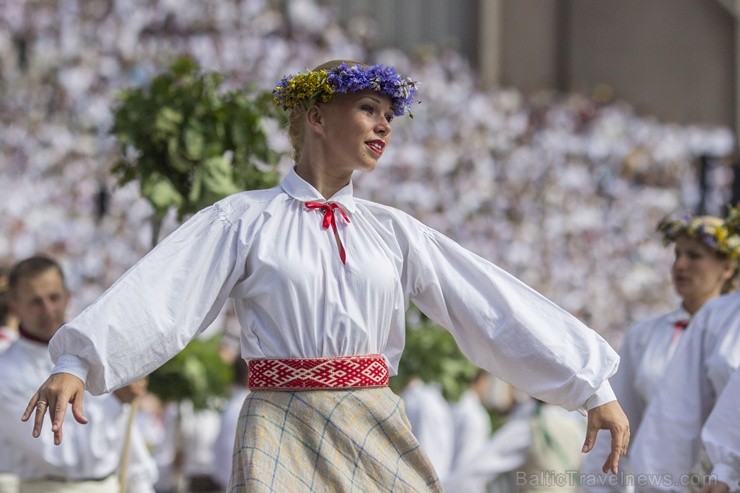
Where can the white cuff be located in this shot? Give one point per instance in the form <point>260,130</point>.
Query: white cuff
<point>602,395</point>
<point>68,363</point>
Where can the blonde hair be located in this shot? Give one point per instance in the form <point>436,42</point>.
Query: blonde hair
<point>296,128</point>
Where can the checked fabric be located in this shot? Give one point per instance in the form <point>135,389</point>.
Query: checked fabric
<point>344,372</point>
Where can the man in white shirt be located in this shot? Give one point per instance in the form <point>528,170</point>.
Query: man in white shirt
<point>89,458</point>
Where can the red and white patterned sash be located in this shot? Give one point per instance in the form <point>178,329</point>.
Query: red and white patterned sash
<point>344,372</point>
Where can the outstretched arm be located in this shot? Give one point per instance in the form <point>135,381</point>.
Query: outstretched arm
<point>609,416</point>
<point>59,390</point>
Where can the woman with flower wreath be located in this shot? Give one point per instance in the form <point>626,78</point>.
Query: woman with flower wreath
<point>707,251</point>
<point>668,444</point>
<point>320,281</point>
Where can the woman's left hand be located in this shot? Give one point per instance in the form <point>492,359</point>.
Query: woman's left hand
<point>609,416</point>
<point>59,390</point>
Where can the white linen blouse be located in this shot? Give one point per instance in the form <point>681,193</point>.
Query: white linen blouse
<point>721,434</point>
<point>668,443</point>
<point>644,355</point>
<point>294,298</point>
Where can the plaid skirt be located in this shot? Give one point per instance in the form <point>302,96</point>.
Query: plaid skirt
<point>328,441</point>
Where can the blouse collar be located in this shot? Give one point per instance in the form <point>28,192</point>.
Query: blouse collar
<point>301,190</point>
<point>679,315</point>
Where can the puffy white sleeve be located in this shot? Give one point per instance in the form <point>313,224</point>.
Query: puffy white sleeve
<point>506,327</point>
<point>156,308</point>
<point>721,434</point>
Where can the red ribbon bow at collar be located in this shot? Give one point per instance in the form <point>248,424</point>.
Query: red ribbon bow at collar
<point>328,209</point>
<point>681,324</point>
<point>678,327</point>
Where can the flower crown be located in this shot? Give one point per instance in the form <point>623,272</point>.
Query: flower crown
<point>320,85</point>
<point>722,236</point>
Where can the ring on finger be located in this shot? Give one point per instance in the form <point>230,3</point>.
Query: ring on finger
<point>39,403</point>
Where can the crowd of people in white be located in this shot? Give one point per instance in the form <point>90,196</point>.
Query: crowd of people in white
<point>561,190</point>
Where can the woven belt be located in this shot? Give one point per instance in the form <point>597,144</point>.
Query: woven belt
<point>343,372</point>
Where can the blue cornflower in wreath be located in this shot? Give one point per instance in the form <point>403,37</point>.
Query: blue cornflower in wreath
<point>306,88</point>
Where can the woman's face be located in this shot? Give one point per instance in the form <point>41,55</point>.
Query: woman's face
<point>698,273</point>
<point>357,130</point>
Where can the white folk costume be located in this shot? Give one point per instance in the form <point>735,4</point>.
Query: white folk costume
<point>472,432</point>
<point>540,445</point>
<point>89,457</point>
<point>668,442</point>
<point>431,422</point>
<point>644,354</point>
<point>198,429</point>
<point>721,435</point>
<point>295,298</point>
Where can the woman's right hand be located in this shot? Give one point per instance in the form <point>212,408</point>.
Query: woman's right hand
<point>59,390</point>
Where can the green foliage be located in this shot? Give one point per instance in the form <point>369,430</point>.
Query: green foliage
<point>432,354</point>
<point>197,373</point>
<point>188,143</point>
